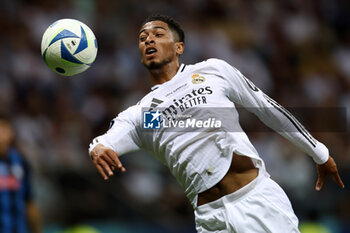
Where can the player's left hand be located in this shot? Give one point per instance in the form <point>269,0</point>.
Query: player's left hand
<point>328,168</point>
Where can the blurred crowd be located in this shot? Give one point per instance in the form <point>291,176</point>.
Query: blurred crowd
<point>297,52</point>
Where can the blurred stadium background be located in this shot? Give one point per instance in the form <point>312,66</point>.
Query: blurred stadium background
<point>296,51</point>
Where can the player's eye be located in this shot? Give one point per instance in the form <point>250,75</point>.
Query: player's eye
<point>159,34</point>
<point>143,37</point>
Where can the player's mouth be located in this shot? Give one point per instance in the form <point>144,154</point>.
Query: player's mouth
<point>150,52</point>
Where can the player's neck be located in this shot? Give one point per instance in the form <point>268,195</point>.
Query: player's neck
<point>164,73</point>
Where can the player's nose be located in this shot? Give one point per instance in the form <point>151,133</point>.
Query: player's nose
<point>149,40</point>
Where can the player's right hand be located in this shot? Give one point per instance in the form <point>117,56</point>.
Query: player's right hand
<point>106,161</point>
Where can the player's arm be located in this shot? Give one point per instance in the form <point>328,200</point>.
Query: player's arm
<point>242,91</point>
<point>121,138</point>
<point>32,210</point>
<point>33,216</point>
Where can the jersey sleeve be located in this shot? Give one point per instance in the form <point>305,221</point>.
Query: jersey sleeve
<point>122,136</point>
<point>243,92</point>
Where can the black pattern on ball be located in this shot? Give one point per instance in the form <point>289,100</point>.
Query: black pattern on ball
<point>60,70</point>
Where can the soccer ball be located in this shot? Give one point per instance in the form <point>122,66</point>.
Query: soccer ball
<point>68,47</point>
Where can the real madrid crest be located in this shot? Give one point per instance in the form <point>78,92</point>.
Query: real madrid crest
<point>196,79</point>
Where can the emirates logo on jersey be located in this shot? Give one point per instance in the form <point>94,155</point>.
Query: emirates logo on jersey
<point>189,100</point>
<point>197,79</point>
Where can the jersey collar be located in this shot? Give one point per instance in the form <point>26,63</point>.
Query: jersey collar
<point>181,69</point>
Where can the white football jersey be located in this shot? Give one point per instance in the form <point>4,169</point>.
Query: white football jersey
<point>191,125</point>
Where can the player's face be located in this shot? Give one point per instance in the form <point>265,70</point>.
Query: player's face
<point>157,45</point>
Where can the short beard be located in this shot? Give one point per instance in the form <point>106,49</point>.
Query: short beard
<point>159,65</point>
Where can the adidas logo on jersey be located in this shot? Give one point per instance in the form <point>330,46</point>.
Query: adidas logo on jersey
<point>154,103</point>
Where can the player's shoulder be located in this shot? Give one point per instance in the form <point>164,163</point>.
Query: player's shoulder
<point>214,61</point>
<point>131,112</point>
<point>17,156</point>
<point>210,65</point>
<point>210,62</point>
<point>144,102</point>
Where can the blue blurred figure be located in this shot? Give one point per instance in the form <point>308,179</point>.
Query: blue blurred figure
<point>18,213</point>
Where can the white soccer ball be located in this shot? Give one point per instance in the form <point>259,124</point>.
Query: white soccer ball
<point>68,47</point>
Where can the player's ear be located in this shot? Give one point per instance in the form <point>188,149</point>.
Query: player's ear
<point>180,46</point>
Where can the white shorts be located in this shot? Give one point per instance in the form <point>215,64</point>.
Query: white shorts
<point>259,207</point>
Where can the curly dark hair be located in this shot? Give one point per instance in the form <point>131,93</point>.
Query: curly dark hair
<point>172,24</point>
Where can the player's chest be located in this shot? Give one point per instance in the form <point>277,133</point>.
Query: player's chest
<point>189,91</point>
